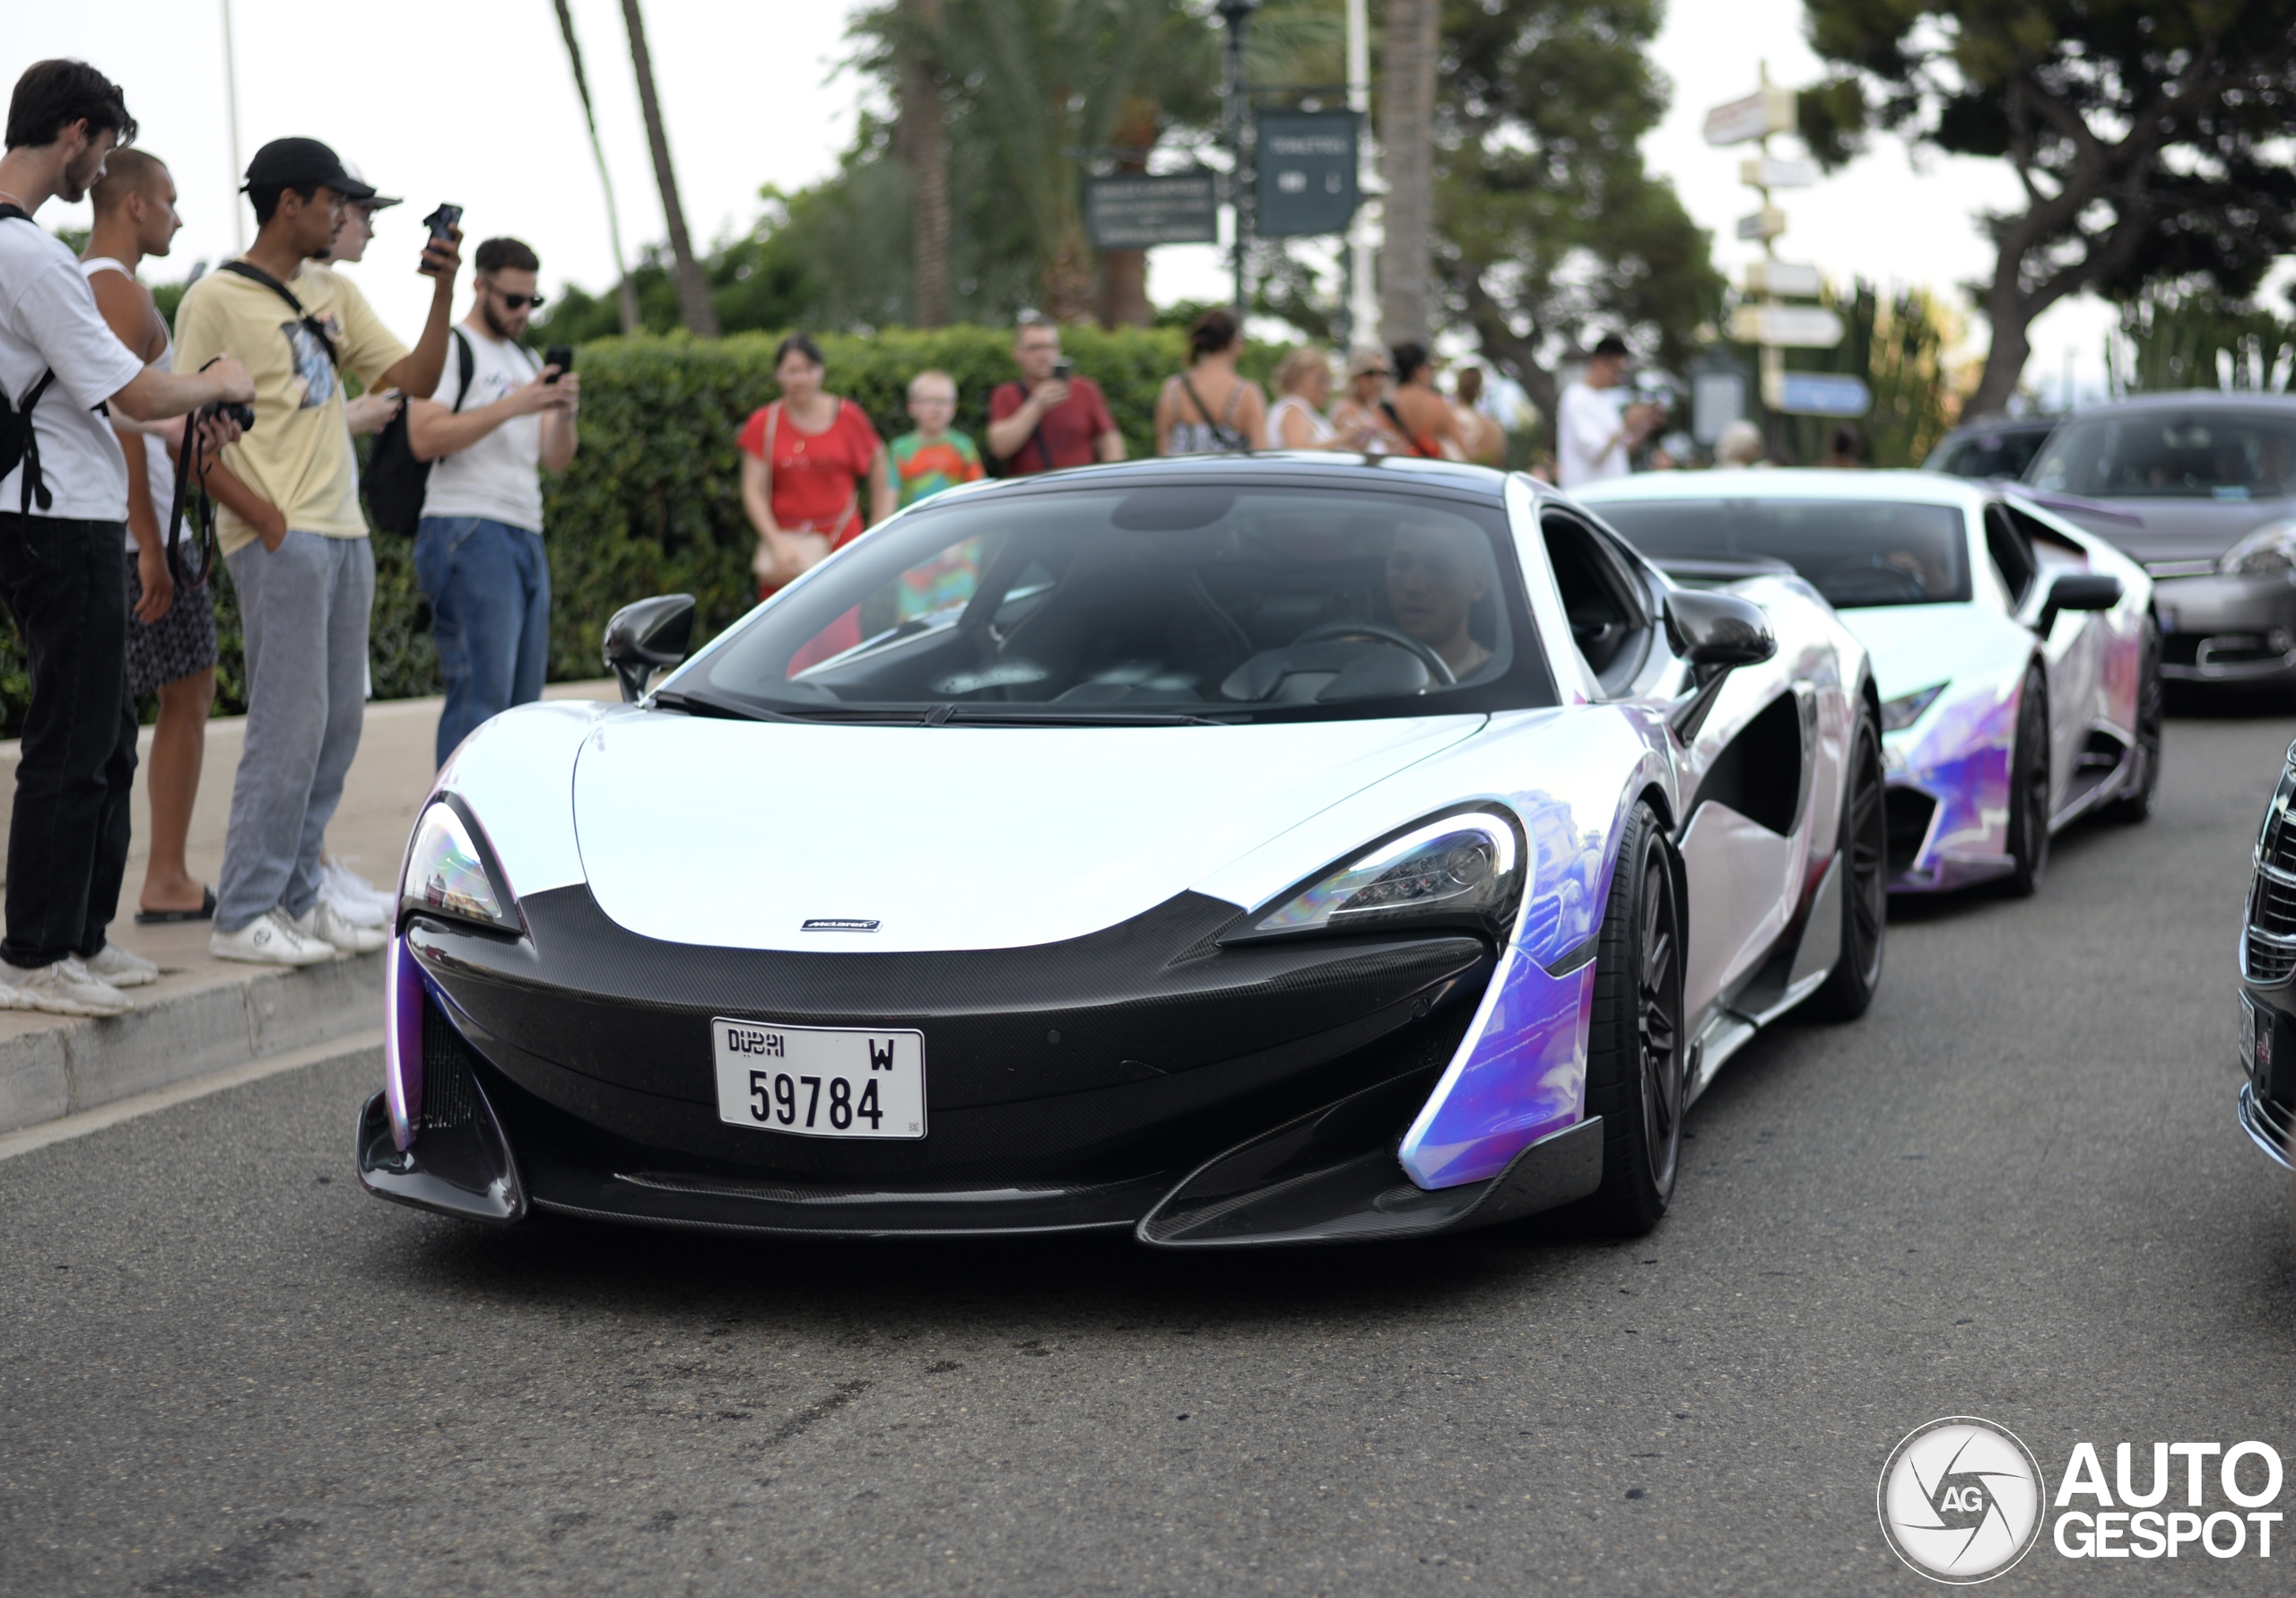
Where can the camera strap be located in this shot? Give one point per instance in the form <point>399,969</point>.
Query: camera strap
<point>256,274</point>
<point>192,464</point>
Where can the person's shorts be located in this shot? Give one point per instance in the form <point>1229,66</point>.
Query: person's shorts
<point>176,646</point>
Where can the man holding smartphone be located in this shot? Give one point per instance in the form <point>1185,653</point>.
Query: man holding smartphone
<point>294,538</point>
<point>478,552</point>
<point>1051,418</point>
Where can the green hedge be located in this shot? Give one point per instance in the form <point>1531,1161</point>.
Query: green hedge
<point>652,503</point>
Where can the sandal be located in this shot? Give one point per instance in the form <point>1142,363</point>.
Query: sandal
<point>207,912</point>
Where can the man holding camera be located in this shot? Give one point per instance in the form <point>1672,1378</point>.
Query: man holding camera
<point>63,539</point>
<point>500,420</point>
<point>295,539</point>
<point>1051,418</point>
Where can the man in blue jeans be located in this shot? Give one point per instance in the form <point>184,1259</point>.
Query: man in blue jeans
<point>478,552</point>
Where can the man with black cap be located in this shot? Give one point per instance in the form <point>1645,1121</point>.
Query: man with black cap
<point>294,538</point>
<point>1592,436</point>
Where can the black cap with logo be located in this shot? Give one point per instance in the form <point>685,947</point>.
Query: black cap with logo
<point>300,163</point>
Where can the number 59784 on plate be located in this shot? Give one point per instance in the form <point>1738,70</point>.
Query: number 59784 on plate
<point>820,1082</point>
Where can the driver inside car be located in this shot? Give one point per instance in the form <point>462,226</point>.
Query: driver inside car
<point>1435,576</point>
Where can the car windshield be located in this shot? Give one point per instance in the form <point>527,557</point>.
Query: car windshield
<point>1144,603</point>
<point>2004,453</point>
<point>2159,453</point>
<point>1854,552</point>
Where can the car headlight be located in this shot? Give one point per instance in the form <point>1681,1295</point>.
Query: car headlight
<point>1462,870</point>
<point>2270,547</point>
<point>1903,712</point>
<point>450,872</point>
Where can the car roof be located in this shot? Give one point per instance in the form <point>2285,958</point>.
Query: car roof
<point>2184,399</point>
<point>1979,426</point>
<point>1793,482</point>
<point>1296,467</point>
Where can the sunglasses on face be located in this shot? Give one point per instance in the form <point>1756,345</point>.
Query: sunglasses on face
<point>514,302</point>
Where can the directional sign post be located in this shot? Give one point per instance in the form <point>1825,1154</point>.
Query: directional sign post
<point>1789,326</point>
<point>1817,394</point>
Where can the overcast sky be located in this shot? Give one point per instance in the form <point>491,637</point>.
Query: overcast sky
<point>473,103</point>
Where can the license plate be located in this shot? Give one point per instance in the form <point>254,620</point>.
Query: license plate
<point>820,1082</point>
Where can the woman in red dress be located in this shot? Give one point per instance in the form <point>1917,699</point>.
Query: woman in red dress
<point>803,458</point>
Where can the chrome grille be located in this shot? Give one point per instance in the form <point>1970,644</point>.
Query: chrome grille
<point>2270,945</point>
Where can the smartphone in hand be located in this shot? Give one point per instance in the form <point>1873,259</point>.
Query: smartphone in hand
<point>561,356</point>
<point>441,223</point>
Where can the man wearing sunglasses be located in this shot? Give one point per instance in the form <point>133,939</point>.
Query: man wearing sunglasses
<point>478,552</point>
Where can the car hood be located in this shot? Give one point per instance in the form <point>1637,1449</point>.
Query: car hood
<point>2164,529</point>
<point>1914,645</point>
<point>735,834</point>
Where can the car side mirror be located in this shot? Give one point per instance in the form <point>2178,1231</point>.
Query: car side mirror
<point>2078,591</point>
<point>1715,634</point>
<point>650,634</point>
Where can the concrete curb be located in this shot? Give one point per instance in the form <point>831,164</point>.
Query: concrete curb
<point>244,1016</point>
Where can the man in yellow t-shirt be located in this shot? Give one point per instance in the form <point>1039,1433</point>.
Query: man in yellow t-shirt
<point>294,538</point>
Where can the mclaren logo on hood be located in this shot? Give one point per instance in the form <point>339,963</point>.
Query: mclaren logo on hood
<point>837,924</point>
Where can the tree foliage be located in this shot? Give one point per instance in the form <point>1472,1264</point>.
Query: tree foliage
<point>1548,225</point>
<point>2149,137</point>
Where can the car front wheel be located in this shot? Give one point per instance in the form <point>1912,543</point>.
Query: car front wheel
<point>1635,1047</point>
<point>2029,789</point>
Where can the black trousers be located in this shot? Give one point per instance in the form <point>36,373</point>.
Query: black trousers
<point>65,586</point>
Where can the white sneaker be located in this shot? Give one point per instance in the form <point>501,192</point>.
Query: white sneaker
<point>64,988</point>
<point>355,899</point>
<point>271,939</point>
<point>324,922</point>
<point>122,968</point>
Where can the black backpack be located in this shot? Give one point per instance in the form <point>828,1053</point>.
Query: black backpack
<point>18,442</point>
<point>395,480</point>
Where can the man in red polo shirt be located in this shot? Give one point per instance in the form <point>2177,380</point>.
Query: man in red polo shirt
<point>1043,423</point>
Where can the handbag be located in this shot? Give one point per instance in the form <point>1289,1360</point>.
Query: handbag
<point>812,542</point>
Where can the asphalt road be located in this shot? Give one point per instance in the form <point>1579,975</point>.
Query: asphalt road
<point>2014,1190</point>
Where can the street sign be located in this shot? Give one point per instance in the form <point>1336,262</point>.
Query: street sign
<point>1773,171</point>
<point>1768,223</point>
<point>1816,394</point>
<point>1307,163</point>
<point>1136,210</point>
<point>1766,111</point>
<point>1783,277</point>
<point>1787,326</point>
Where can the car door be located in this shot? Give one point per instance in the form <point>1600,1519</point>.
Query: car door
<point>2073,652</point>
<point>1745,769</point>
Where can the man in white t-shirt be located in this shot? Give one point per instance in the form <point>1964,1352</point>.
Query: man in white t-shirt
<point>63,539</point>
<point>1592,436</point>
<point>478,552</point>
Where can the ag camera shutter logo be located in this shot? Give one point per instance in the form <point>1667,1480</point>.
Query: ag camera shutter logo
<point>1961,1500</point>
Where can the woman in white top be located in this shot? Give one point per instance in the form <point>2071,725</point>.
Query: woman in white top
<point>1297,420</point>
<point>1210,409</point>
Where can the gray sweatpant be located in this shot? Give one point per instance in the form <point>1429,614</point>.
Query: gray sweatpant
<point>303,608</point>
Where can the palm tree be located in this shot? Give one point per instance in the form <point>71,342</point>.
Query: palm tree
<point>924,151</point>
<point>1407,163</point>
<point>694,307</point>
<point>628,292</point>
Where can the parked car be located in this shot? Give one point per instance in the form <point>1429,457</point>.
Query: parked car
<point>2019,669</point>
<point>1267,850</point>
<point>1991,447</point>
<point>2201,488</point>
<point>2268,1015</point>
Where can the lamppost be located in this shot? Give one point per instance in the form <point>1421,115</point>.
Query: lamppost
<point>1237,15</point>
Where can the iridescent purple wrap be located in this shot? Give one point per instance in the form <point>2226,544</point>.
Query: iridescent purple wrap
<point>402,1042</point>
<point>1960,758</point>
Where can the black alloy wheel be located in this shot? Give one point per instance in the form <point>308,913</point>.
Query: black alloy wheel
<point>1865,845</point>
<point>2029,789</point>
<point>2134,803</point>
<point>1635,1077</point>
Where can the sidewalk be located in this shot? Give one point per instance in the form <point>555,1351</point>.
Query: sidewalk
<point>207,1014</point>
